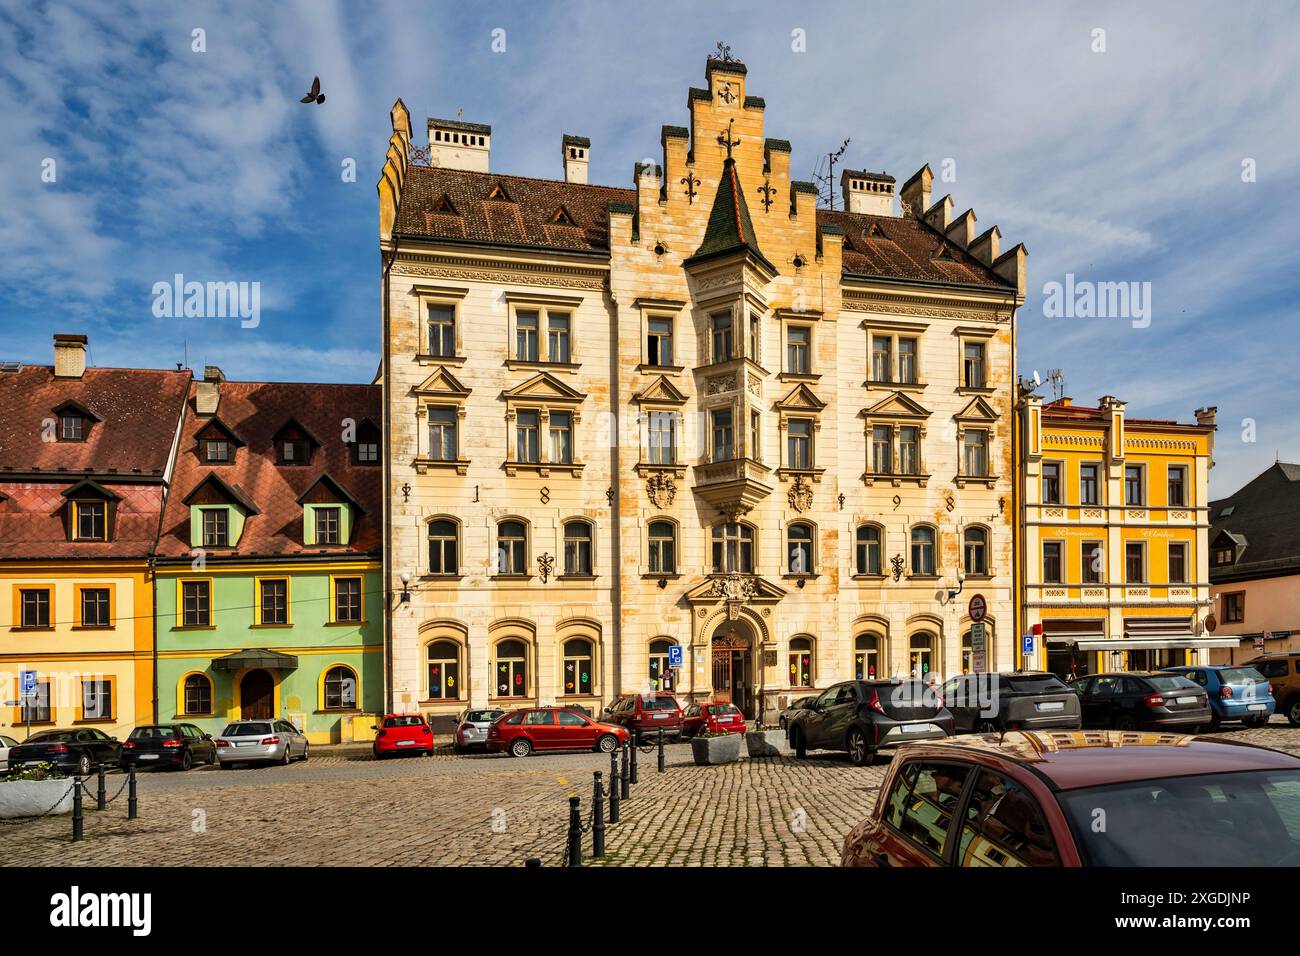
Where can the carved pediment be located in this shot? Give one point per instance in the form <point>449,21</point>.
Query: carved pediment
<point>896,405</point>
<point>441,382</point>
<point>660,392</point>
<point>543,387</point>
<point>801,398</point>
<point>977,410</point>
<point>739,588</point>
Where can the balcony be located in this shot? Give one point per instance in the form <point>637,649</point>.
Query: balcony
<point>733,486</point>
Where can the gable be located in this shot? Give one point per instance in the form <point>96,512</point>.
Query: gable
<point>89,489</point>
<point>212,490</point>
<point>216,428</point>
<point>441,382</point>
<point>802,399</point>
<point>660,391</point>
<point>897,405</point>
<point>71,407</point>
<point>327,490</point>
<point>977,410</point>
<point>543,387</point>
<point>293,429</point>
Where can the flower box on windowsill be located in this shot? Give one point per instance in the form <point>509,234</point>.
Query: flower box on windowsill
<point>712,751</point>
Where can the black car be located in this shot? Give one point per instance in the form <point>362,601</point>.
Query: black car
<point>1146,700</point>
<point>168,745</point>
<point>803,703</point>
<point>75,751</point>
<point>1025,700</point>
<point>862,716</point>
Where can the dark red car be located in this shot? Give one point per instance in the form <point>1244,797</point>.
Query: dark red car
<point>1082,798</point>
<point>402,733</point>
<point>712,717</point>
<point>520,732</point>
<point>647,714</point>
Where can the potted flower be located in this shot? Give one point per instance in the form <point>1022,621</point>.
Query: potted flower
<point>766,741</point>
<point>710,749</point>
<point>33,791</point>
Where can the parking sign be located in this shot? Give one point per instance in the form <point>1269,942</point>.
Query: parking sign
<point>28,681</point>
<point>675,656</point>
<point>1027,644</point>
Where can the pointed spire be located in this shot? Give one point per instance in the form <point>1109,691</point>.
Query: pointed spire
<point>730,227</point>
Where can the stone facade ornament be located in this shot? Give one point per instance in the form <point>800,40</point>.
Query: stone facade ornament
<point>661,489</point>
<point>800,494</point>
<point>733,587</point>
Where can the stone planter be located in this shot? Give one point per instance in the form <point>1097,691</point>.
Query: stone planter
<point>28,798</point>
<point>710,751</point>
<point>766,743</point>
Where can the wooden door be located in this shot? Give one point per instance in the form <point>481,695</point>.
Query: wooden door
<point>256,695</point>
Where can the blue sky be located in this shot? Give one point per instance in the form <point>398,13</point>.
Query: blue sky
<point>1123,165</point>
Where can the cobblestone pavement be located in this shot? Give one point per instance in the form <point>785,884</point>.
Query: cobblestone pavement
<point>346,809</point>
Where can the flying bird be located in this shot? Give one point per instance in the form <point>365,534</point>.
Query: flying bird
<point>315,96</point>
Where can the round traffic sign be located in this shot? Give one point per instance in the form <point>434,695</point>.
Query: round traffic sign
<point>977,608</point>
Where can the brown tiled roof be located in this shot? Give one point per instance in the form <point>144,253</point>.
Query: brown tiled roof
<point>904,248</point>
<point>257,411</point>
<point>32,521</point>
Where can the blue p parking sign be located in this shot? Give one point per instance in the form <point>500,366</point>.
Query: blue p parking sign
<point>675,656</point>
<point>1027,644</point>
<point>28,681</point>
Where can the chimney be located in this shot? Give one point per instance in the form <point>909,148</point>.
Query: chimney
<point>577,151</point>
<point>869,193</point>
<point>207,393</point>
<point>1205,417</point>
<point>69,355</point>
<point>915,194</point>
<point>457,145</point>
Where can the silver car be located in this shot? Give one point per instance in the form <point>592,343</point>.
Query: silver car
<point>261,741</point>
<point>5,743</point>
<point>472,728</point>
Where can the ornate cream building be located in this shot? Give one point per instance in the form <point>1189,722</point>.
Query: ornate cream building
<point>701,412</point>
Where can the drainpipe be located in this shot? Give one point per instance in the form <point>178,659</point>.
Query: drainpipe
<point>153,629</point>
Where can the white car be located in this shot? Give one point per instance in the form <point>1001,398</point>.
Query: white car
<point>5,744</point>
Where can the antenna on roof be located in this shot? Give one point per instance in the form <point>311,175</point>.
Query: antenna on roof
<point>1057,377</point>
<point>828,180</point>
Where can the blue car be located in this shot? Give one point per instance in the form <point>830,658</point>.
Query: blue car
<point>1236,693</point>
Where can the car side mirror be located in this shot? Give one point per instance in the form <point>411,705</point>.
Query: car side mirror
<point>114,739</point>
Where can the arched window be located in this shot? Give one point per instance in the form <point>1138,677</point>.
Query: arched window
<point>198,695</point>
<point>444,670</point>
<point>443,547</point>
<point>799,548</point>
<point>923,550</point>
<point>801,662</point>
<point>663,547</point>
<point>975,549</point>
<point>340,688</point>
<point>578,661</point>
<point>867,549</point>
<point>512,546</point>
<point>661,675</point>
<point>866,657</point>
<point>511,669</point>
<point>733,548</point>
<point>577,548</point>
<point>922,653</point>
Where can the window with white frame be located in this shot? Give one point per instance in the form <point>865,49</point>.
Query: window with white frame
<point>663,437</point>
<point>867,548</point>
<point>972,365</point>
<point>527,438</point>
<point>662,554</point>
<point>443,427</point>
<point>799,548</point>
<point>923,550</point>
<point>798,349</point>
<point>975,453</point>
<point>577,548</point>
<point>799,443</point>
<point>442,330</point>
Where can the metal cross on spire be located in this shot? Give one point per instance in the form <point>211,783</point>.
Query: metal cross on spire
<point>725,139</point>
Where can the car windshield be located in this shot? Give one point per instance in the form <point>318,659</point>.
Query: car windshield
<point>483,716</point>
<point>659,703</point>
<point>1035,684</point>
<point>246,730</point>
<point>1241,675</point>
<point>719,710</point>
<point>403,722</point>
<point>1172,682</point>
<point>1246,818</point>
<point>152,733</point>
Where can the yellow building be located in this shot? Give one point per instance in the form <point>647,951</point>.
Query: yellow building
<point>85,459</point>
<point>1113,557</point>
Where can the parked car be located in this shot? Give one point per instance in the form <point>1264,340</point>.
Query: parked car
<point>472,729</point>
<point>1034,798</point>
<point>1236,693</point>
<point>260,741</point>
<point>6,743</point>
<point>1147,700</point>
<point>74,751</point>
<point>402,733</point>
<point>1282,671</point>
<point>803,703</point>
<point>863,716</point>
<point>646,714</point>
<point>168,745</point>
<point>1025,700</point>
<point>520,732</point>
<point>712,717</point>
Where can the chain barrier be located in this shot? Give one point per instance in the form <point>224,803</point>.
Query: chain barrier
<point>18,821</point>
<point>126,779</point>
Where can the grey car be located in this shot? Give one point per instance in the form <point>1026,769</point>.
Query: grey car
<point>472,728</point>
<point>260,741</point>
<point>802,703</point>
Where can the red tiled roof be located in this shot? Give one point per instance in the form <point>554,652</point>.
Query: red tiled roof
<point>257,411</point>
<point>904,248</point>
<point>1088,413</point>
<point>32,528</point>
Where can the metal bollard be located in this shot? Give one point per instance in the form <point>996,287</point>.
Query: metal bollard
<point>132,804</point>
<point>661,750</point>
<point>598,818</point>
<point>622,775</point>
<point>78,824</point>
<point>101,798</point>
<point>636,742</point>
<point>575,832</point>
<point>613,787</point>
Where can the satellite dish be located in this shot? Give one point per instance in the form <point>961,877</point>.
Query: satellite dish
<point>1037,381</point>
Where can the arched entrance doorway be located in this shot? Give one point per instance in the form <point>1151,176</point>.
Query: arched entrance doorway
<point>733,665</point>
<point>256,695</point>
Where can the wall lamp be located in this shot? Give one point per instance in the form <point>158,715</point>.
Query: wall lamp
<point>961,583</point>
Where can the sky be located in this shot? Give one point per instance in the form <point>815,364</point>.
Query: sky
<point>1151,143</point>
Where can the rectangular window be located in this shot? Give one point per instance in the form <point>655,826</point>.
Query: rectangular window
<point>347,600</point>
<point>1133,485</point>
<point>973,364</point>
<point>1234,607</point>
<point>72,427</point>
<point>659,342</point>
<point>327,526</point>
<point>367,452</point>
<point>561,430</point>
<point>975,454</point>
<point>295,451</point>
<point>196,604</point>
<point>35,604</point>
<point>909,450</point>
<point>1090,561</point>
<point>442,331</point>
<point>753,339</point>
<point>1177,486</point>
<point>216,528</point>
<point>274,601</point>
<point>907,368</point>
<point>1088,484</point>
<point>95,607</point>
<point>557,337</point>
<point>1178,562</point>
<point>724,442</point>
<point>1134,562</point>
<point>91,520</point>
<point>881,358</point>
<point>1052,570</point>
<point>35,705</point>
<point>755,436</point>
<point>798,354</point>
<point>216,451</point>
<point>722,337</point>
<point>1051,483</point>
<point>799,443</point>
<point>526,436</point>
<point>882,459</point>
<point>526,326</point>
<point>443,444</point>
<point>663,438</point>
<point>96,700</point>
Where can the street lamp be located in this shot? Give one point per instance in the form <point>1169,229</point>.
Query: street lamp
<point>405,578</point>
<point>961,583</point>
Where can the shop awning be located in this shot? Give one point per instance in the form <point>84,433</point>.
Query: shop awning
<point>254,658</point>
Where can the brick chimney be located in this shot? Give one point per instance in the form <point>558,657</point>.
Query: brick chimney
<point>69,355</point>
<point>457,145</point>
<point>207,393</point>
<point>870,193</point>
<point>577,153</point>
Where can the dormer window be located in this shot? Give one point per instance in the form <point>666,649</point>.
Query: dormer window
<point>216,528</point>
<point>329,513</point>
<point>217,444</point>
<point>327,525</point>
<point>216,451</point>
<point>294,444</point>
<point>72,427</point>
<point>89,515</point>
<point>91,520</point>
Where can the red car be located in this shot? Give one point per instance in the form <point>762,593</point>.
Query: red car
<point>1082,798</point>
<point>647,714</point>
<point>712,717</point>
<point>520,732</point>
<point>403,733</point>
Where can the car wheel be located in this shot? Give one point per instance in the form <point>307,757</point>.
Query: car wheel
<point>798,743</point>
<point>1125,722</point>
<point>306,749</point>
<point>187,761</point>
<point>83,765</point>
<point>859,754</point>
<point>226,766</point>
<point>284,761</point>
<point>213,759</point>
<point>522,747</point>
<point>1293,712</point>
<point>607,744</point>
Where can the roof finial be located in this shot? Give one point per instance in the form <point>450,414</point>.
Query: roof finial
<point>723,52</point>
<point>725,138</point>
